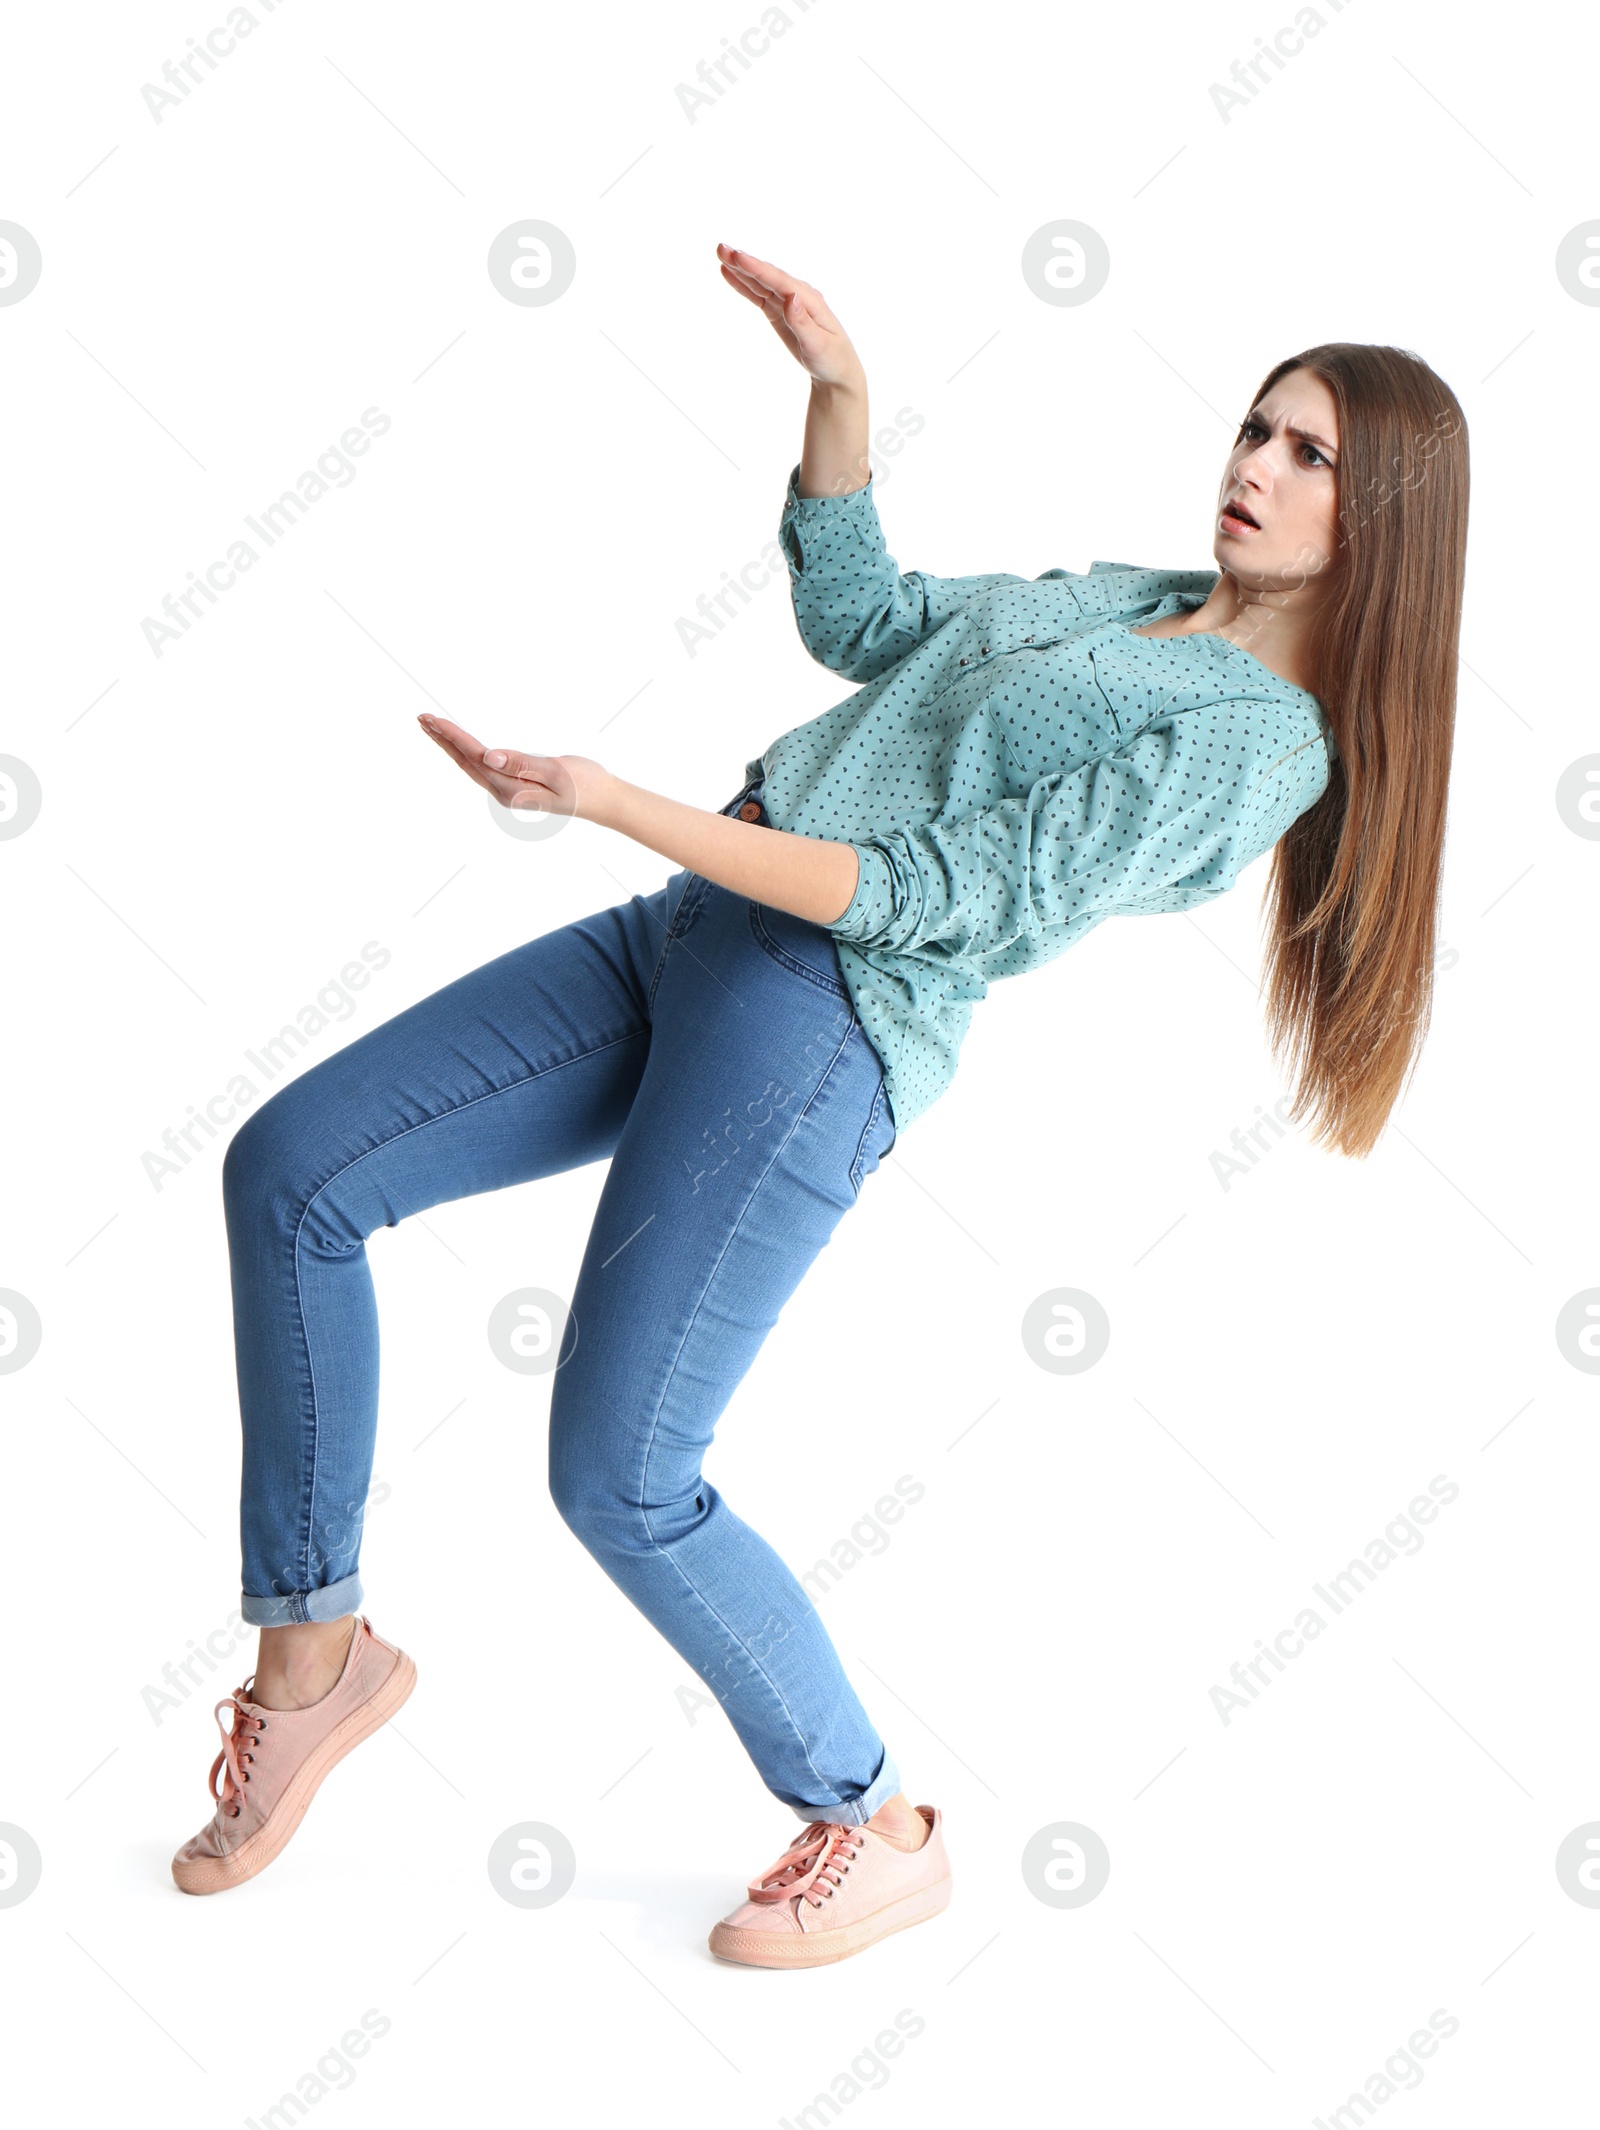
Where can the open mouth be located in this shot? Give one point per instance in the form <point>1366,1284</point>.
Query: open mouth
<point>1236,519</point>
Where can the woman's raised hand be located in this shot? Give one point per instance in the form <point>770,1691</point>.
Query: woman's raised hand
<point>798,315</point>
<point>526,783</point>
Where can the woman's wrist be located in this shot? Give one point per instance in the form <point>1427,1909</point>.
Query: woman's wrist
<point>599,792</point>
<point>833,459</point>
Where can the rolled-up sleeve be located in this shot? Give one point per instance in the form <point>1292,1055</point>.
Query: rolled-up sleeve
<point>1154,827</point>
<point>858,614</point>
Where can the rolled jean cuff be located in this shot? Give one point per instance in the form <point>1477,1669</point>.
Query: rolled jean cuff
<point>856,1811</point>
<point>333,1602</point>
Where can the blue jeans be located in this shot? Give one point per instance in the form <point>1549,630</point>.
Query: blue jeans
<point>704,1044</point>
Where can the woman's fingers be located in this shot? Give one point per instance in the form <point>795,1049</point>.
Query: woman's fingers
<point>773,306</point>
<point>763,274</point>
<point>466,756</point>
<point>746,285</point>
<point>450,748</point>
<point>519,781</point>
<point>442,728</point>
<point>765,285</point>
<point>757,271</point>
<point>797,313</point>
<point>469,757</point>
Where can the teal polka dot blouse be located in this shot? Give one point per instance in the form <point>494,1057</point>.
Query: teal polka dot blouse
<point>1017,767</point>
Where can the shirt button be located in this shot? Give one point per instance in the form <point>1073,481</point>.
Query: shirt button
<point>963,661</point>
<point>750,811</point>
<point>985,650</point>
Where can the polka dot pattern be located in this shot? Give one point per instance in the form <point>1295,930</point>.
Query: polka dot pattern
<point>1018,766</point>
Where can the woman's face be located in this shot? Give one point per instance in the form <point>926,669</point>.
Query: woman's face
<point>1282,471</point>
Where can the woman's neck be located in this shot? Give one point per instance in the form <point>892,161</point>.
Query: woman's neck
<point>1274,627</point>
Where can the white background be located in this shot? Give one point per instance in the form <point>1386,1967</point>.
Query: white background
<point>1292,1359</point>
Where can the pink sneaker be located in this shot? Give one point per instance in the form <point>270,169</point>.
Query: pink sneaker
<point>282,1755</point>
<point>837,1891</point>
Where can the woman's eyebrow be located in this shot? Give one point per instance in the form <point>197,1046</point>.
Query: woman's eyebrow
<point>1308,436</point>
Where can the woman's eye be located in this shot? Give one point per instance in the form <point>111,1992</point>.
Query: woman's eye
<point>1255,428</point>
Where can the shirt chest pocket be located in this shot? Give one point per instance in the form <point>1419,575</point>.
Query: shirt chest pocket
<point>997,624</point>
<point>1139,687</point>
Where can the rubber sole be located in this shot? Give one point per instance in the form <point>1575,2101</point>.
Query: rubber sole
<point>215,1874</point>
<point>819,1948</point>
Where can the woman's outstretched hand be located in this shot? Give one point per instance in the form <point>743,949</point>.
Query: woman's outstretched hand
<point>798,315</point>
<point>814,879</point>
<point>526,783</point>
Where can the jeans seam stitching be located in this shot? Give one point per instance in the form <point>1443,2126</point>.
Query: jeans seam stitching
<point>655,974</point>
<point>873,1114</point>
<point>677,928</point>
<point>655,1420</point>
<point>294,1254</point>
<point>666,948</point>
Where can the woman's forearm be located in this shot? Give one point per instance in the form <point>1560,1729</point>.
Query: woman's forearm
<point>806,875</point>
<point>833,460</point>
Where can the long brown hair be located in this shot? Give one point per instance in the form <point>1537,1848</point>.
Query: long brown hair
<point>1352,899</point>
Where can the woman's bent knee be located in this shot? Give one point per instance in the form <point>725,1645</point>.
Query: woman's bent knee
<point>254,1154</point>
<point>596,1486</point>
<point>595,1477</point>
<point>576,1485</point>
<point>270,1166</point>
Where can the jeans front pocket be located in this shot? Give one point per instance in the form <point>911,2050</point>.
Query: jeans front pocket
<point>797,944</point>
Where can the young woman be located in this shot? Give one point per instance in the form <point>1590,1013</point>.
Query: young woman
<point>1026,758</point>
